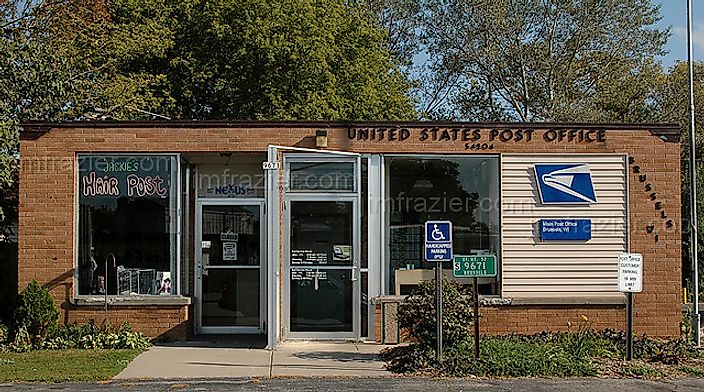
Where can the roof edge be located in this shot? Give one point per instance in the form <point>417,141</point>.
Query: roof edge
<point>32,129</point>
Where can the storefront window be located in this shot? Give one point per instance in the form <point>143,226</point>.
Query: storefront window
<point>127,224</point>
<point>321,176</point>
<point>464,190</point>
<point>232,176</point>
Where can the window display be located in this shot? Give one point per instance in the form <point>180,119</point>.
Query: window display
<point>463,190</point>
<point>127,224</point>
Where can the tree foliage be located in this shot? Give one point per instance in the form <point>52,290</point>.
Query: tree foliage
<point>401,22</point>
<point>220,59</point>
<point>535,60</point>
<point>669,103</point>
<point>36,311</point>
<point>287,59</point>
<point>69,60</point>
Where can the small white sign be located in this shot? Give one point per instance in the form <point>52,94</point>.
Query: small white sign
<point>229,236</point>
<point>341,252</point>
<point>275,165</point>
<point>229,251</point>
<point>630,272</point>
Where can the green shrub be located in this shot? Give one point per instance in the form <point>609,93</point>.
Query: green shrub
<point>691,371</point>
<point>417,314</point>
<point>641,370</point>
<point>36,312</point>
<point>22,341</point>
<point>4,334</point>
<point>92,336</point>
<point>549,354</point>
<point>408,359</point>
<point>499,357</point>
<point>502,358</point>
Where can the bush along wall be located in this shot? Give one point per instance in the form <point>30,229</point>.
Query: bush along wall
<point>579,352</point>
<point>35,327</point>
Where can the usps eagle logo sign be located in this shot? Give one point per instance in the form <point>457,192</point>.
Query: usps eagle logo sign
<point>565,184</point>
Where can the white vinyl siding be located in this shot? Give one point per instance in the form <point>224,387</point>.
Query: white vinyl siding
<point>531,268</point>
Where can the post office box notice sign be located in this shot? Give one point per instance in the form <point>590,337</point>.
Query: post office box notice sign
<point>630,272</point>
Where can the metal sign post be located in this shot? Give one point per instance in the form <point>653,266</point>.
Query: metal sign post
<point>630,280</point>
<point>475,306</point>
<point>694,247</point>
<point>438,248</point>
<point>629,327</point>
<point>475,267</point>
<point>438,307</point>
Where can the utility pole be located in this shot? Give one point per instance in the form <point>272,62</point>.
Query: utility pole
<point>696,321</point>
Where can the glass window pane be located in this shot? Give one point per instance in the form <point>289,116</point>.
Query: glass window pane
<point>321,300</point>
<point>364,307</point>
<point>321,233</point>
<point>231,235</point>
<point>186,249</point>
<point>230,297</point>
<point>127,212</point>
<point>321,176</point>
<point>464,190</point>
<point>232,176</point>
<point>364,219</point>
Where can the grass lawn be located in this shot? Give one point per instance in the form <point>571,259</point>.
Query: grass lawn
<point>64,365</point>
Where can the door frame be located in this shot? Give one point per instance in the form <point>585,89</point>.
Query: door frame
<point>353,197</point>
<point>198,272</point>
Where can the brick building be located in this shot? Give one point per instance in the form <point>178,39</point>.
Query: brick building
<point>314,230</point>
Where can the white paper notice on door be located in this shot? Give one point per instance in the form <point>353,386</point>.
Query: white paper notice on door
<point>229,251</point>
<point>341,252</point>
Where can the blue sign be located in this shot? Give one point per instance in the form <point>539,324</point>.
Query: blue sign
<point>565,184</point>
<point>438,240</point>
<point>565,229</point>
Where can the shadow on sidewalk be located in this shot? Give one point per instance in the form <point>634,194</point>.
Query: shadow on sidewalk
<point>222,341</point>
<point>340,356</point>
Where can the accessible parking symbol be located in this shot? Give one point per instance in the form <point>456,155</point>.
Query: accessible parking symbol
<point>438,241</point>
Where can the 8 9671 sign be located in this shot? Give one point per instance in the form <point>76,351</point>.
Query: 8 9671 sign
<point>474,266</point>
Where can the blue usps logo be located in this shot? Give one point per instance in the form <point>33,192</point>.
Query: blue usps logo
<point>565,184</point>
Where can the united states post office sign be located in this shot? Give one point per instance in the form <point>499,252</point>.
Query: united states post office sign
<point>565,229</point>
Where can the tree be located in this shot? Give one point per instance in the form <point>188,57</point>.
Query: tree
<point>220,59</point>
<point>534,60</point>
<point>668,102</point>
<point>68,61</point>
<point>401,22</point>
<point>287,59</point>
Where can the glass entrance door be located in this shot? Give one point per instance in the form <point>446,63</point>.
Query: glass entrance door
<point>322,267</point>
<point>229,274</point>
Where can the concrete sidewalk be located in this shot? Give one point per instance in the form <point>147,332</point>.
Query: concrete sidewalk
<point>308,359</point>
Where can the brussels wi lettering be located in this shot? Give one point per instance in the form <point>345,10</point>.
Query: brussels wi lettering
<point>94,185</point>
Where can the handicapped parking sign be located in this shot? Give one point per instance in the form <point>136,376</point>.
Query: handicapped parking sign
<point>438,240</point>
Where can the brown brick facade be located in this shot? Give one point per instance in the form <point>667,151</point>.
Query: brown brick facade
<point>47,249</point>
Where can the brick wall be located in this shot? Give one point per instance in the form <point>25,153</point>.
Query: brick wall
<point>530,319</point>
<point>163,321</point>
<point>522,319</point>
<point>48,207</point>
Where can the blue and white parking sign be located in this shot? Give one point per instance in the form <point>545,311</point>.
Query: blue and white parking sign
<point>438,240</point>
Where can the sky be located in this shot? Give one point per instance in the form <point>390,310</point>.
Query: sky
<point>674,14</point>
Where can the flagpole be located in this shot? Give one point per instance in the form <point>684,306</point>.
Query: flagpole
<point>696,321</point>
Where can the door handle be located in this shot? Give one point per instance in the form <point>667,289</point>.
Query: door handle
<point>354,272</point>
